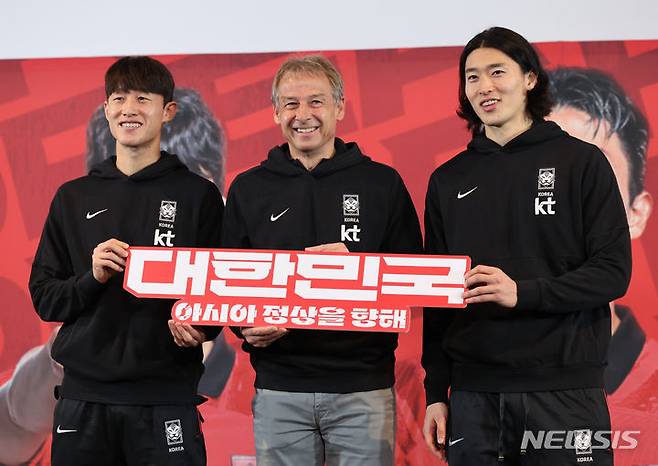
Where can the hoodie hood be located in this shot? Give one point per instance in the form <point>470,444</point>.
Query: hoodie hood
<point>540,131</point>
<point>347,155</point>
<point>167,163</point>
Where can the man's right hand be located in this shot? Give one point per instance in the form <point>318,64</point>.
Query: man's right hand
<point>260,337</point>
<point>434,428</point>
<point>109,257</point>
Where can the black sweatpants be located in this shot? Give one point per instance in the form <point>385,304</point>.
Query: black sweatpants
<point>95,434</point>
<point>556,428</point>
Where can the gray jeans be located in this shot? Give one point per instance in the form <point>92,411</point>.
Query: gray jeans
<point>313,429</point>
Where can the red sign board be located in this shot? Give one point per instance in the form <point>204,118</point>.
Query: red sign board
<point>296,289</point>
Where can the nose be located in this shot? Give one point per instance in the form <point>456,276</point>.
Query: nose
<point>128,107</point>
<point>485,85</point>
<point>303,112</point>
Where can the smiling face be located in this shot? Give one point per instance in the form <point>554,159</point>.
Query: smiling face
<point>136,119</point>
<point>307,113</point>
<point>497,88</point>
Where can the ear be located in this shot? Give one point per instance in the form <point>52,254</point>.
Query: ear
<point>277,120</point>
<point>340,109</point>
<point>638,213</point>
<point>530,80</point>
<point>169,111</point>
<point>105,106</point>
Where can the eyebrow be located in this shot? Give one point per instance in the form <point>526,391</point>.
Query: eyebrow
<point>493,65</point>
<point>314,96</point>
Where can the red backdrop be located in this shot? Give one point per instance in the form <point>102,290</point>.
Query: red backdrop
<point>400,109</point>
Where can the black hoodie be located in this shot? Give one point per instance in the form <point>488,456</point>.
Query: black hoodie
<point>116,348</point>
<point>282,205</point>
<point>546,209</point>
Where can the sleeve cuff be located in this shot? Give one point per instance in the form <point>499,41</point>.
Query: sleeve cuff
<point>436,396</point>
<point>88,287</point>
<point>436,392</point>
<point>528,295</point>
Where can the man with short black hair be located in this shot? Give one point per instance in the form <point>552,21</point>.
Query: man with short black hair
<point>129,394</point>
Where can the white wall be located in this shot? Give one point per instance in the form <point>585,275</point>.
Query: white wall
<point>48,28</point>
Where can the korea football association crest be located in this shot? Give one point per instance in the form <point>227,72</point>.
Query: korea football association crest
<point>174,432</point>
<point>168,211</point>
<point>351,204</point>
<point>582,442</point>
<point>546,178</point>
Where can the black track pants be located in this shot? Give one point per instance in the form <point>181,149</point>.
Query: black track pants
<point>94,434</point>
<point>568,427</point>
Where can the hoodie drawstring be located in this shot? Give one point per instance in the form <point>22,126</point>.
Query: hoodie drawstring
<point>501,456</point>
<point>501,417</point>
<point>526,409</point>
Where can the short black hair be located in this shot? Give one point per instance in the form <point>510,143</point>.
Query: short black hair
<point>194,135</point>
<point>600,97</point>
<point>516,47</point>
<point>140,73</point>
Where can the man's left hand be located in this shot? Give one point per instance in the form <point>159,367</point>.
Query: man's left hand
<point>486,284</point>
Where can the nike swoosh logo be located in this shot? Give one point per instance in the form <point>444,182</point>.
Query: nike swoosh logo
<point>274,218</point>
<point>452,442</point>
<point>89,216</point>
<point>65,431</point>
<point>461,196</point>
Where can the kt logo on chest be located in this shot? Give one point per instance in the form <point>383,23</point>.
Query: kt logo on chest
<point>163,235</point>
<point>296,289</point>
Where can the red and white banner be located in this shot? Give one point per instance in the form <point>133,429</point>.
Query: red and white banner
<point>296,289</point>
